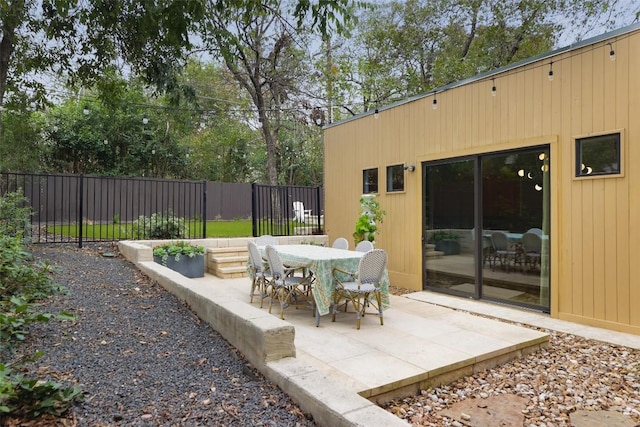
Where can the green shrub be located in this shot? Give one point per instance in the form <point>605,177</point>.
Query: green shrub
<point>21,275</point>
<point>176,250</point>
<point>16,314</point>
<point>160,226</point>
<point>15,216</point>
<point>21,396</point>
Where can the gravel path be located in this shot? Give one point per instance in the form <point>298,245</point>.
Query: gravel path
<point>141,357</point>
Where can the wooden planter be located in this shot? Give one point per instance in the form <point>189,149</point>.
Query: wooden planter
<point>188,267</point>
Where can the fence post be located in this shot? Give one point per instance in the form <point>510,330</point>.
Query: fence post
<point>80,204</point>
<point>320,223</point>
<point>204,209</point>
<point>254,223</point>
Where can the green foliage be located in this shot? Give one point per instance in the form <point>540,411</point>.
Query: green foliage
<point>21,396</point>
<point>439,235</point>
<point>116,219</point>
<point>19,275</point>
<point>160,226</point>
<point>176,250</point>
<point>15,215</point>
<point>16,314</point>
<point>367,223</point>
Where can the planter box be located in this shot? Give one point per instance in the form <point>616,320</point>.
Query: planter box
<point>188,267</point>
<point>448,247</point>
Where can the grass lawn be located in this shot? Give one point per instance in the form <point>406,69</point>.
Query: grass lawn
<point>240,228</point>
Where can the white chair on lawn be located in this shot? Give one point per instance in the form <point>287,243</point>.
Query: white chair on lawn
<point>260,272</point>
<point>357,287</point>
<point>288,288</point>
<point>300,213</point>
<point>341,243</point>
<point>364,246</point>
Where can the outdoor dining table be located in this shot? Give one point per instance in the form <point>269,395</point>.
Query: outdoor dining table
<point>321,261</point>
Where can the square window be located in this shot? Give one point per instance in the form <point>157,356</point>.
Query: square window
<point>395,178</point>
<point>370,181</point>
<point>598,155</point>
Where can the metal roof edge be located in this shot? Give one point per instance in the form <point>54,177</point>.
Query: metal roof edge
<point>483,76</point>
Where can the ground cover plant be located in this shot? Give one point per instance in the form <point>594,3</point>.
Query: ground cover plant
<point>23,283</point>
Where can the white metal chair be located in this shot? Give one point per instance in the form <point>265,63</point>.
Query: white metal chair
<point>300,213</point>
<point>364,246</point>
<point>357,287</point>
<point>260,272</point>
<point>536,231</point>
<point>502,251</point>
<point>265,240</point>
<point>340,243</point>
<point>288,288</point>
<point>532,248</point>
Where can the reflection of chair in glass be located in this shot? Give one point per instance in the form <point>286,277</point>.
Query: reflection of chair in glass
<point>536,231</point>
<point>265,240</point>
<point>502,251</point>
<point>341,243</point>
<point>288,288</point>
<point>487,247</point>
<point>300,213</point>
<point>531,247</point>
<point>357,287</point>
<point>260,272</point>
<point>364,246</point>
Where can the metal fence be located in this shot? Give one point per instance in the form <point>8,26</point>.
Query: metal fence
<point>273,210</point>
<point>81,208</point>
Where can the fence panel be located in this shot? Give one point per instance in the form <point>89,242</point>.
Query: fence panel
<point>273,210</point>
<point>77,208</point>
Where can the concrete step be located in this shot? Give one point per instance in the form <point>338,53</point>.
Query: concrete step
<point>434,254</point>
<point>228,263</point>
<point>231,272</point>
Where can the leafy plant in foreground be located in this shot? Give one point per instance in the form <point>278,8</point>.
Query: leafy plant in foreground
<point>21,396</point>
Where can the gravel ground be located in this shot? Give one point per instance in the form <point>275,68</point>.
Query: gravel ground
<point>143,359</point>
<point>571,374</point>
<point>140,356</point>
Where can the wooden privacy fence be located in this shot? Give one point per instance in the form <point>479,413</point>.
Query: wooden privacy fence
<point>81,208</point>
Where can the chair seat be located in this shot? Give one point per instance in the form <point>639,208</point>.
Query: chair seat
<point>364,288</point>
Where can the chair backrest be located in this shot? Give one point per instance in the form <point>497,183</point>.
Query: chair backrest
<point>531,242</point>
<point>536,231</point>
<point>364,246</point>
<point>372,266</point>
<point>265,240</point>
<point>340,243</point>
<point>254,257</point>
<point>500,241</point>
<point>298,211</point>
<point>275,262</point>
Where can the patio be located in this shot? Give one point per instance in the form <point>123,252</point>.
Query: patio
<point>334,371</point>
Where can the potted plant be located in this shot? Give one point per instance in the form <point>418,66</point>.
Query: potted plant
<point>446,242</point>
<point>183,257</point>
<point>367,223</point>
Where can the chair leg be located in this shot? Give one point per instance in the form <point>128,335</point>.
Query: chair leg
<point>379,301</point>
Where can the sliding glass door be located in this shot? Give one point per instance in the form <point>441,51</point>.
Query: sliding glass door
<point>493,210</point>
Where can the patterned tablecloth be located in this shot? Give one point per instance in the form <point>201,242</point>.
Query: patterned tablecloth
<point>321,261</point>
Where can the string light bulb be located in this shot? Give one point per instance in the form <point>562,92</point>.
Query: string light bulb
<point>551,71</point>
<point>85,110</point>
<point>612,53</point>
<point>376,114</point>
<point>435,102</point>
<point>145,119</point>
<point>493,87</point>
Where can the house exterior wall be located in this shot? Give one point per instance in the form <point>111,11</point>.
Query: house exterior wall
<point>594,221</point>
